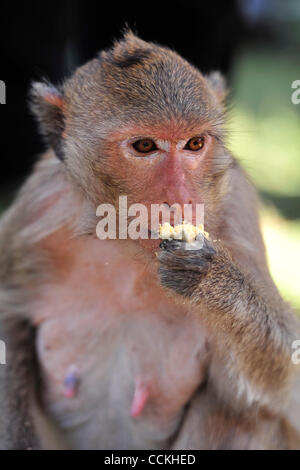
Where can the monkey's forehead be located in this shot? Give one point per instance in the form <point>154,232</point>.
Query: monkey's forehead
<point>159,90</point>
<point>137,80</point>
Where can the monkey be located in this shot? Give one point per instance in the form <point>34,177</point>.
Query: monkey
<point>133,343</point>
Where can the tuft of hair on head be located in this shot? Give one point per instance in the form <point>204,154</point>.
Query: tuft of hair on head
<point>129,51</point>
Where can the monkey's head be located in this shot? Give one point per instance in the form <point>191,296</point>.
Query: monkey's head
<point>138,120</point>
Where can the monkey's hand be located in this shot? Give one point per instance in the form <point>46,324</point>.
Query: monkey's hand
<point>184,266</point>
<point>207,273</point>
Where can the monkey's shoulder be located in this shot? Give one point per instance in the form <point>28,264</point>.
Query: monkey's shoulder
<point>41,207</point>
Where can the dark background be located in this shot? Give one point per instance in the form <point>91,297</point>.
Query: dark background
<point>50,38</point>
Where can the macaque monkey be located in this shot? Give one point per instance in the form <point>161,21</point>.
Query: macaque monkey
<point>133,343</point>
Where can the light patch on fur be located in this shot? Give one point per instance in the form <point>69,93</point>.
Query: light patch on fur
<point>247,391</point>
<point>48,210</point>
<point>163,144</point>
<point>180,144</point>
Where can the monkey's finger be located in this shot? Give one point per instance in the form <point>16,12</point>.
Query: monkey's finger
<point>185,260</point>
<point>201,244</point>
<point>171,245</point>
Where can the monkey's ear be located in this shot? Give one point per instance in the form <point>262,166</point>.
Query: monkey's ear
<point>218,84</point>
<point>47,104</point>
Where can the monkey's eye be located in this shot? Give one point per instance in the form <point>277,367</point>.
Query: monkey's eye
<point>144,146</point>
<point>196,143</point>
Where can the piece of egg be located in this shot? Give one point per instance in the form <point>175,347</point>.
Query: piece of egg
<point>185,231</point>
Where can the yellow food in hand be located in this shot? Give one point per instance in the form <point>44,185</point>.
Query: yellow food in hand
<point>185,231</point>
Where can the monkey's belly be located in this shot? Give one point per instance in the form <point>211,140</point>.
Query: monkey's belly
<point>135,372</point>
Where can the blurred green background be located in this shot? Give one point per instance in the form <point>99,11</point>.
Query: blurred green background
<point>265,136</point>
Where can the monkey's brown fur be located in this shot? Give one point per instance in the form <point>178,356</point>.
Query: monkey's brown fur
<point>206,332</point>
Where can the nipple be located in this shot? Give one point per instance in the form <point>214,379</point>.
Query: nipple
<point>71,382</point>
<point>140,398</point>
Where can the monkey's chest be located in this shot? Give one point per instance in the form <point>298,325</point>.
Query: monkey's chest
<point>117,365</point>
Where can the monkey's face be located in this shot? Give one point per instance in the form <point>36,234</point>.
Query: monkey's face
<point>151,130</point>
<point>142,122</point>
<point>170,164</point>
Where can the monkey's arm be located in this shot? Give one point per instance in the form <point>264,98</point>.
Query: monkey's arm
<point>236,298</point>
<point>32,216</point>
<point>259,334</point>
<point>23,425</point>
<point>17,423</point>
